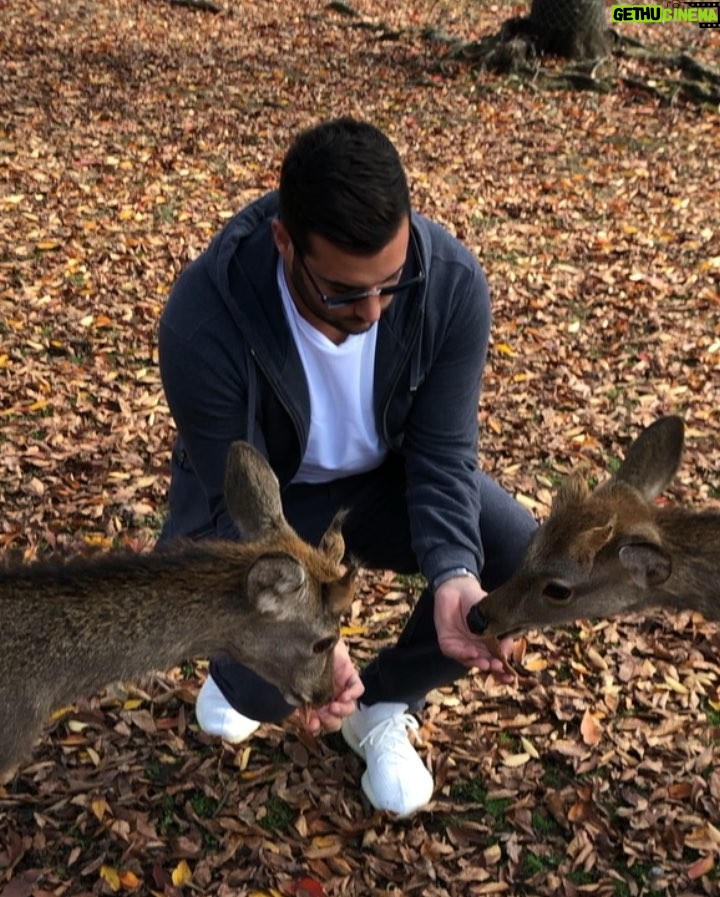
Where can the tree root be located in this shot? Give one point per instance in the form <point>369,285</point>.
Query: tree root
<point>517,50</point>
<point>202,5</point>
<point>514,51</point>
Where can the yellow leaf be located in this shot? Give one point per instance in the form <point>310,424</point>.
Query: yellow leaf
<point>527,501</point>
<point>504,349</point>
<point>181,874</point>
<point>110,877</point>
<point>76,725</point>
<point>96,540</point>
<point>513,760</point>
<point>99,808</point>
<point>242,758</point>
<point>62,711</point>
<point>676,686</point>
<point>132,704</point>
<point>352,630</point>
<point>93,755</point>
<point>494,425</point>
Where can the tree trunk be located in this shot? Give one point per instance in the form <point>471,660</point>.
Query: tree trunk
<point>575,29</point>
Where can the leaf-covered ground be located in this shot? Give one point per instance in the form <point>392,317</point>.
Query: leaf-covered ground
<point>129,131</point>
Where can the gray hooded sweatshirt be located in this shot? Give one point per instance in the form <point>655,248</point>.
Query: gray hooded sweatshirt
<point>231,371</point>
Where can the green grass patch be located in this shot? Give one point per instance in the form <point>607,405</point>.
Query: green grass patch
<point>203,805</point>
<point>536,863</point>
<point>278,816</point>
<point>474,792</point>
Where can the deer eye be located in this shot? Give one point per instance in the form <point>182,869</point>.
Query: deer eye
<point>557,592</point>
<point>323,645</point>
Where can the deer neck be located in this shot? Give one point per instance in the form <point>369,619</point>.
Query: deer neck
<point>693,542</point>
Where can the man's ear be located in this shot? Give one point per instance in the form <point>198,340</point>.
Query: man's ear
<point>283,240</point>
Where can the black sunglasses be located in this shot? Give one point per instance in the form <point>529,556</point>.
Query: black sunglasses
<point>357,295</point>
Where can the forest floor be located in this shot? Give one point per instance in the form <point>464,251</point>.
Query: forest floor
<point>129,132</point>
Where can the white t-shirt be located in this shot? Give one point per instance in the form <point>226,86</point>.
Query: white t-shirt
<point>343,438</point>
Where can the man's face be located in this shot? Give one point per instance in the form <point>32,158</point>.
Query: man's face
<point>328,271</point>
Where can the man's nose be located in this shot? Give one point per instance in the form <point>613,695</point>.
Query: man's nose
<point>370,308</point>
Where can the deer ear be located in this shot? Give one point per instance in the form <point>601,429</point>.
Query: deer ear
<point>274,584</point>
<point>647,564</point>
<point>332,543</point>
<point>252,493</point>
<point>339,594</point>
<point>654,457</point>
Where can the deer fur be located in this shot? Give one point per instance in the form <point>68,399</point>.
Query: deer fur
<point>273,602</point>
<point>614,550</point>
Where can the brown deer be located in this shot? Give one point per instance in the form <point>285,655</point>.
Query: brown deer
<point>274,602</point>
<point>613,550</point>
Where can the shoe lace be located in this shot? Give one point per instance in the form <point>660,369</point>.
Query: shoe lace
<point>392,729</point>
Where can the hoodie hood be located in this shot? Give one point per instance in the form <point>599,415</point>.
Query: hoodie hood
<point>242,261</point>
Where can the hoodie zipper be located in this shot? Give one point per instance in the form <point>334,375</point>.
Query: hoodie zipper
<point>289,408</point>
<point>413,386</point>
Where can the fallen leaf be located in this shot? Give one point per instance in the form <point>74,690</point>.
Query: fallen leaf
<point>590,728</point>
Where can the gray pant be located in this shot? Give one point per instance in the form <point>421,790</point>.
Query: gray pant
<point>377,532</point>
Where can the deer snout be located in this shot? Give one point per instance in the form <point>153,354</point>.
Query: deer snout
<point>477,622</point>
<point>316,696</point>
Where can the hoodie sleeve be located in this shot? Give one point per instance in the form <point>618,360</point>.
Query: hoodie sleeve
<point>204,378</point>
<point>441,438</point>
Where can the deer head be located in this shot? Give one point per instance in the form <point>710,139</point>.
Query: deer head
<point>294,592</point>
<point>599,553</point>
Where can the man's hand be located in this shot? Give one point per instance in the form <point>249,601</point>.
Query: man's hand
<point>453,600</point>
<point>348,689</point>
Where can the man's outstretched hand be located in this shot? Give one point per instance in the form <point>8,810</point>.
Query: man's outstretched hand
<point>348,690</point>
<point>453,600</point>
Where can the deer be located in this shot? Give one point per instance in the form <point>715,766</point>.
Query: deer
<point>271,600</point>
<point>613,550</point>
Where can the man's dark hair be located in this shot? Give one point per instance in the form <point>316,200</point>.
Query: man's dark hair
<point>343,180</point>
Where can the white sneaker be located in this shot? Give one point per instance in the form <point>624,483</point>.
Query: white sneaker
<point>217,717</point>
<point>396,779</point>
